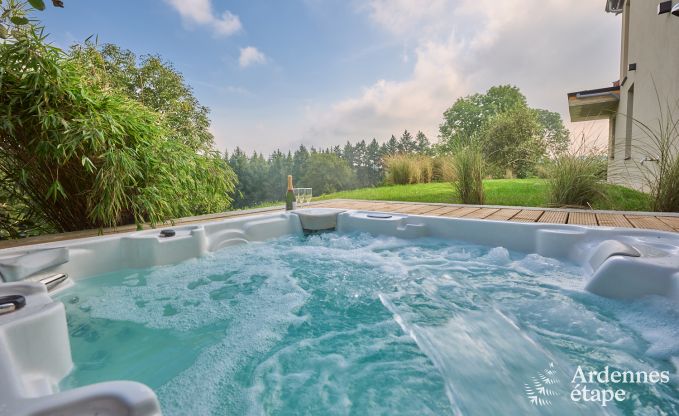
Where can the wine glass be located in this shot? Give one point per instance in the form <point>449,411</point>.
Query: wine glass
<point>298,195</point>
<point>307,195</point>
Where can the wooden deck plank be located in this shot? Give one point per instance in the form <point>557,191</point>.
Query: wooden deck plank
<point>462,212</point>
<point>444,210</point>
<point>373,206</point>
<point>554,217</point>
<point>336,204</point>
<point>425,210</point>
<point>613,220</point>
<point>385,206</point>
<point>648,222</point>
<point>408,209</point>
<point>365,206</point>
<point>527,215</point>
<point>582,218</point>
<point>503,214</point>
<point>482,213</point>
<point>671,221</point>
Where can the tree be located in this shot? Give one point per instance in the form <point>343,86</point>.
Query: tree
<point>390,147</point>
<point>374,161</point>
<point>336,150</point>
<point>327,173</point>
<point>238,161</point>
<point>555,135</point>
<point>153,82</point>
<point>512,141</point>
<point>465,118</point>
<point>81,157</point>
<point>422,144</point>
<point>362,168</point>
<point>299,161</point>
<point>348,154</point>
<point>406,144</point>
<point>279,168</point>
<point>471,121</point>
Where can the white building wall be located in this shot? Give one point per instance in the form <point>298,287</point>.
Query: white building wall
<point>654,47</point>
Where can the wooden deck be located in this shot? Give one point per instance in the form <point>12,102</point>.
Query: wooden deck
<point>651,221</point>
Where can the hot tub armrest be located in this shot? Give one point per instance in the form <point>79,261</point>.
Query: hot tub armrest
<point>111,398</point>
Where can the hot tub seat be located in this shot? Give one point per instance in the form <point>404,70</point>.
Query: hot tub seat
<point>35,355</point>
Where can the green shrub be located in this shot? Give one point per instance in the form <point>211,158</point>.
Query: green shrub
<point>442,169</point>
<point>469,166</point>
<point>575,180</point>
<point>77,156</point>
<point>425,166</point>
<point>403,169</point>
<point>399,169</point>
<point>666,192</point>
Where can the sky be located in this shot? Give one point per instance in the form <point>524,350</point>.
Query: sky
<point>277,74</point>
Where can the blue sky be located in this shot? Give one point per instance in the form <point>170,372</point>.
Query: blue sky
<point>280,73</point>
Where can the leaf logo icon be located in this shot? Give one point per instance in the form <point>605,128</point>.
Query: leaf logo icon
<point>537,391</point>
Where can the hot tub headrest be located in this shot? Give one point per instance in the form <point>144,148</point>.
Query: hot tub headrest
<point>17,268</point>
<point>318,219</point>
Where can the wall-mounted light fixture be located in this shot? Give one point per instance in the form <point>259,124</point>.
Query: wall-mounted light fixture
<point>632,67</point>
<point>665,7</point>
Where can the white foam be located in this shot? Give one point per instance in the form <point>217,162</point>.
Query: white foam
<point>259,322</point>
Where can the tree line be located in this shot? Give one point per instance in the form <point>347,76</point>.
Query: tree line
<point>336,168</point>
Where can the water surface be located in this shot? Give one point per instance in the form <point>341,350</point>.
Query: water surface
<point>355,325</point>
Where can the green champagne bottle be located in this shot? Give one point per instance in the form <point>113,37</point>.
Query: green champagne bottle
<point>289,196</point>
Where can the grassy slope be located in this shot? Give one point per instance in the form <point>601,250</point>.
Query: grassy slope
<point>516,192</point>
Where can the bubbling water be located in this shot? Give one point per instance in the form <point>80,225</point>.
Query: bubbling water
<point>339,324</point>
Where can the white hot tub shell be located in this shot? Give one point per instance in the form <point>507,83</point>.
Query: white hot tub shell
<point>35,353</point>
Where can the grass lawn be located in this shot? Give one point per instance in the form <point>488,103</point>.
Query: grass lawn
<point>510,192</point>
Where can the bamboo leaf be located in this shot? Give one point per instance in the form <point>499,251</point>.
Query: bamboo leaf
<point>37,4</point>
<point>55,190</point>
<point>19,20</point>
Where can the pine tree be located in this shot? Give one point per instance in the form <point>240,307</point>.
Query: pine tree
<point>390,147</point>
<point>348,154</point>
<point>406,144</point>
<point>374,160</point>
<point>239,164</point>
<point>422,144</point>
<point>299,161</point>
<point>360,164</point>
<point>279,169</point>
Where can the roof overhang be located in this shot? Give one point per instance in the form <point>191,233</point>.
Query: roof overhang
<point>615,6</point>
<point>596,104</point>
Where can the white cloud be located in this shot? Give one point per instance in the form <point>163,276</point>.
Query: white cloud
<point>250,56</point>
<point>545,47</point>
<point>200,12</point>
<point>389,107</point>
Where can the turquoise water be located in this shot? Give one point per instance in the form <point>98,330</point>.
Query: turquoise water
<point>357,325</point>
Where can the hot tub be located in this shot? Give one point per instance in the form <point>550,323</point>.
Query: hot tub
<point>338,312</point>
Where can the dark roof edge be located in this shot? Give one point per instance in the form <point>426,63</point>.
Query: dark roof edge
<point>596,91</point>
